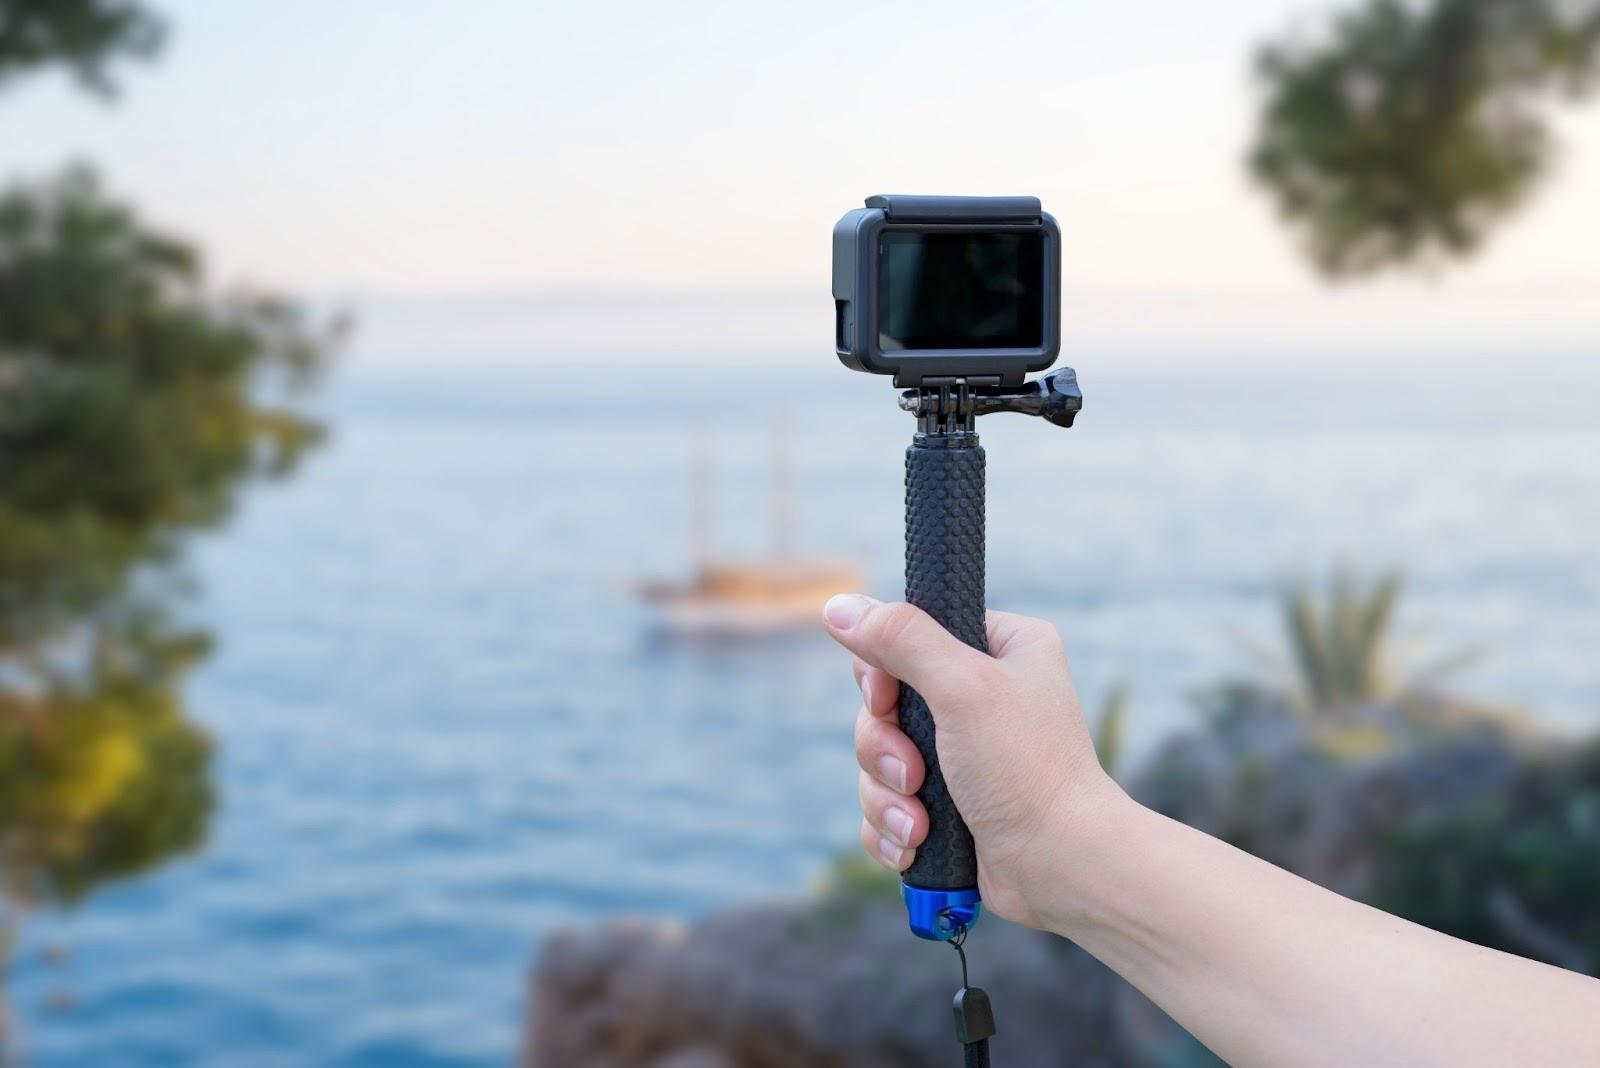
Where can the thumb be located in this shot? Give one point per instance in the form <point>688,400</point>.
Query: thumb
<point>907,643</point>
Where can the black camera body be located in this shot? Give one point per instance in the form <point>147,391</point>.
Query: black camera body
<point>943,288</point>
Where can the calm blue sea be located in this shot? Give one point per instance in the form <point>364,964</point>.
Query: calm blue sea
<point>443,731</point>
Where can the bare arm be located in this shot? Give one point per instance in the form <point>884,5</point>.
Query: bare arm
<point>1267,968</point>
<point>1262,966</point>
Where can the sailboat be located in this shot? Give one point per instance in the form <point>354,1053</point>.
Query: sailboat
<point>723,597</point>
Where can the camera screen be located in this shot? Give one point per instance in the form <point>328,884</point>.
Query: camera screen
<point>960,291</point>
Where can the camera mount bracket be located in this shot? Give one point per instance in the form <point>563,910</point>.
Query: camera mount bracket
<point>952,405</point>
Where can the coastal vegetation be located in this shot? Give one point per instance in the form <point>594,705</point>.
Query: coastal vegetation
<point>135,404</point>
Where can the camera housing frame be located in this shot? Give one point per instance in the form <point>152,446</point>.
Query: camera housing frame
<point>855,287</point>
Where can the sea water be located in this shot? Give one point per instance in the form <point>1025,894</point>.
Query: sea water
<point>445,729</point>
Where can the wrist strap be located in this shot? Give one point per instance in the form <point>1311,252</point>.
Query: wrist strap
<point>974,1015</point>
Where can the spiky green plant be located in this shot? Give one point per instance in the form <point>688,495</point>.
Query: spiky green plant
<point>1340,651</point>
<point>1339,641</point>
<point>1110,731</point>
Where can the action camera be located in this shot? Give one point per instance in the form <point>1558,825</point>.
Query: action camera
<point>945,288</point>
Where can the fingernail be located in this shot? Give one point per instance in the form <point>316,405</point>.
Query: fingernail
<point>890,852</point>
<point>866,691</point>
<point>843,610</point>
<point>898,823</point>
<point>893,772</point>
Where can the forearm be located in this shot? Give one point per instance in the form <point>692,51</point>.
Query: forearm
<point>1267,968</point>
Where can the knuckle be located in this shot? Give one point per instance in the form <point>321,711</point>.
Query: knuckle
<point>1040,630</point>
<point>974,683</point>
<point>919,828</point>
<point>870,740</point>
<point>916,773</point>
<point>985,676</point>
<point>1053,640</point>
<point>863,730</point>
<point>892,623</point>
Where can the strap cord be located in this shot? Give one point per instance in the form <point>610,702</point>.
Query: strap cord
<point>973,1014</point>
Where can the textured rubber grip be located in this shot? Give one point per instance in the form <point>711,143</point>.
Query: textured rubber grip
<point>944,577</point>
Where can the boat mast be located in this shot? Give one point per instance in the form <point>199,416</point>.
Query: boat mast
<point>782,492</point>
<point>700,504</point>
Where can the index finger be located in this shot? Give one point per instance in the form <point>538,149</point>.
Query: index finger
<point>880,691</point>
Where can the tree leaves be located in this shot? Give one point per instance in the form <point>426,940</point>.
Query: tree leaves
<point>133,410</point>
<point>1406,134</point>
<point>83,35</point>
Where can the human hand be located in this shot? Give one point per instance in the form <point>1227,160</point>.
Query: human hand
<point>1011,738</point>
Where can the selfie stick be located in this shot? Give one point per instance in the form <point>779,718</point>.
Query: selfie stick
<point>945,578</point>
<point>960,299</point>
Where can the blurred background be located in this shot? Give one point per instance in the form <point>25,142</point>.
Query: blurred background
<point>422,463</point>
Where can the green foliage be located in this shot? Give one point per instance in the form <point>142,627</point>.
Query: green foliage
<point>853,876</point>
<point>1338,643</point>
<point>128,407</point>
<point>133,408</point>
<point>1340,653</point>
<point>1410,131</point>
<point>100,778</point>
<point>83,35</point>
<point>852,883</point>
<point>1110,731</point>
<point>1519,872</point>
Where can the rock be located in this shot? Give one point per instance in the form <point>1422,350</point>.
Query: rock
<point>1315,795</point>
<point>803,986</point>
<point>699,1057</point>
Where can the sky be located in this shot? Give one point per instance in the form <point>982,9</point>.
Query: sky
<point>411,156</point>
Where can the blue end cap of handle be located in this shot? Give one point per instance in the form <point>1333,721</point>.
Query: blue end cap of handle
<point>938,914</point>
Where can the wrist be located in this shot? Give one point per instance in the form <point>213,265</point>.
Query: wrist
<point>1087,830</point>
